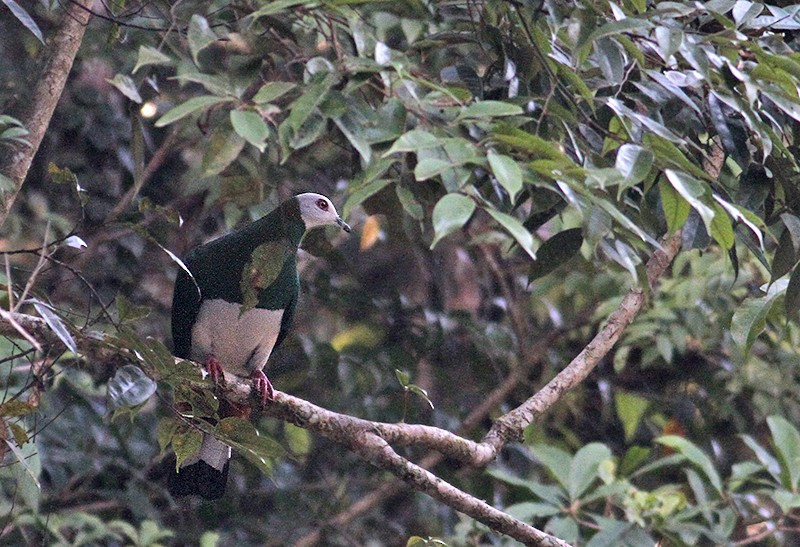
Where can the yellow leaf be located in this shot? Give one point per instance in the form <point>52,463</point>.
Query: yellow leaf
<point>370,233</point>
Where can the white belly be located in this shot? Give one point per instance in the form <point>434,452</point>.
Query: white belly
<point>243,344</point>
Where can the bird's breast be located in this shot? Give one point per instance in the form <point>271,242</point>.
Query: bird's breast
<point>241,342</point>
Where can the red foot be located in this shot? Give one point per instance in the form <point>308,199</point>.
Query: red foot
<point>262,387</point>
<point>215,370</point>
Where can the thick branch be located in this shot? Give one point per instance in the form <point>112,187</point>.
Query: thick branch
<point>372,440</point>
<point>36,114</point>
<point>510,426</point>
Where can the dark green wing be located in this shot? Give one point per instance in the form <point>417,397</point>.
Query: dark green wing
<point>286,321</point>
<point>185,307</point>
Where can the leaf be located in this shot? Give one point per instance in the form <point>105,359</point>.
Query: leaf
<point>24,18</point>
<point>721,227</point>
<point>692,190</point>
<point>362,193</point>
<point>750,319</point>
<point>260,450</point>
<point>625,25</point>
<point>271,91</point>
<point>150,56</point>
<point>14,408</point>
<point>631,408</point>
<point>305,105</point>
<point>251,127</point>
<point>555,252</point>
<point>786,440</point>
<point>75,242</point>
<point>584,467</point>
<point>186,444</point>
<point>200,36</point>
<point>507,172</point>
<point>167,427</point>
<point>676,209</point>
<point>126,86</point>
<point>412,141</point>
<point>431,167</point>
<point>696,456</point>
<point>633,162</point>
<point>192,105</point>
<point>265,264</point>
<point>222,149</point>
<point>489,109</point>
<point>557,461</point>
<point>130,387</point>
<point>276,6</point>
<point>55,323</point>
<point>516,229</point>
<point>451,213</point>
<point>791,303</point>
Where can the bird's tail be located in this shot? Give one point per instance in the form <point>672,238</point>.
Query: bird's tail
<point>204,474</point>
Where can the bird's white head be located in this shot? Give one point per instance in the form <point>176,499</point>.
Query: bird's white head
<point>317,210</point>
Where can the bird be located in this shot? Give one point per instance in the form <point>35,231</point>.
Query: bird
<point>235,309</point>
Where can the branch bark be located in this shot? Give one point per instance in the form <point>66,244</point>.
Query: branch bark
<point>36,114</point>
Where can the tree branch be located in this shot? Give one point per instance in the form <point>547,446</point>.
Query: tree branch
<point>36,114</point>
<point>372,440</point>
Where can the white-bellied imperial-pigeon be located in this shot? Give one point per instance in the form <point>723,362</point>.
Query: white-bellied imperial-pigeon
<point>235,309</point>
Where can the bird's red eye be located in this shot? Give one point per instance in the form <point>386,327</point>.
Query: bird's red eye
<point>322,204</point>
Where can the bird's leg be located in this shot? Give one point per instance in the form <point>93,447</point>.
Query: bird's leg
<point>215,370</point>
<point>262,387</point>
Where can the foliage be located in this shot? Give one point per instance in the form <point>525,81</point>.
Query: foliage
<point>516,163</point>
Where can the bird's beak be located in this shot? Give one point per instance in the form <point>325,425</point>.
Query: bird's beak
<point>345,226</point>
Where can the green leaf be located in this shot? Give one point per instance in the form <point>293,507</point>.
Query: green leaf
<point>305,105</point>
<point>692,190</point>
<point>403,377</point>
<point>489,109</point>
<point>186,444</point>
<point>633,162</point>
<point>516,229</point>
<point>557,461</point>
<point>150,56</point>
<point>222,149</point>
<point>414,140</point>
<point>14,408</point>
<point>126,86</point>
<point>200,36</point>
<point>260,450</point>
<point>631,408</point>
<point>24,18</point>
<point>130,387</point>
<point>251,127</point>
<point>431,167</point>
<point>785,256</point>
<point>451,213</point>
<point>556,251</point>
<point>791,303</point>
<point>696,456</point>
<point>786,440</point>
<point>263,268</point>
<point>528,142</point>
<point>298,439</point>
<point>750,319</point>
<point>167,427</point>
<point>192,105</point>
<point>271,91</point>
<point>507,172</point>
<point>276,6</point>
<point>721,227</point>
<point>676,209</point>
<point>584,466</point>
<point>625,25</point>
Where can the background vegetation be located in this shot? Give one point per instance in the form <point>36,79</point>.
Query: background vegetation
<point>509,167</point>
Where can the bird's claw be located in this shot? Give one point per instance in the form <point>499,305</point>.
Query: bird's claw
<point>215,370</point>
<point>262,387</point>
